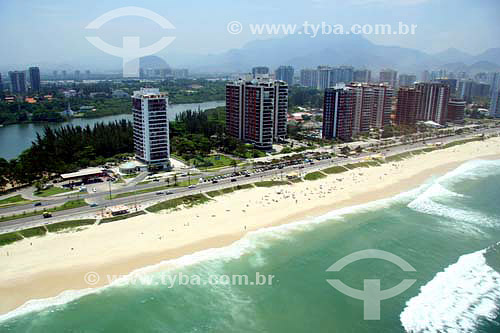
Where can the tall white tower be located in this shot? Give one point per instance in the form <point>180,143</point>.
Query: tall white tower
<point>151,131</point>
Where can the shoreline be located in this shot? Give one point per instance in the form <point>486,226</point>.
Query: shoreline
<point>44,267</point>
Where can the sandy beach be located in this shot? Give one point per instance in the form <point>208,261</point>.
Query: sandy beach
<point>44,267</point>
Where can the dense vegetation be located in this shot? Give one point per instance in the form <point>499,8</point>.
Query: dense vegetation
<point>66,149</point>
<point>195,134</point>
<point>303,96</point>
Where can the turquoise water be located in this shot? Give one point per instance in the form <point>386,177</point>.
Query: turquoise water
<point>447,230</point>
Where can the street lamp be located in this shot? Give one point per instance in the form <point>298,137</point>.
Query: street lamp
<point>109,183</point>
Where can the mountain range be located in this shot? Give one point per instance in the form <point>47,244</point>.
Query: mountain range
<point>302,51</point>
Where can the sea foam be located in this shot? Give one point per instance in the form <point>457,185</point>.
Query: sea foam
<point>455,299</point>
<point>430,200</point>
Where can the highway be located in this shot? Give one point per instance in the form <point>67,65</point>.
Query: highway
<point>101,198</point>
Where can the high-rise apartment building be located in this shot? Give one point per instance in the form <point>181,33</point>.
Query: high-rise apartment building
<point>324,77</point>
<point>407,80</point>
<point>342,74</point>
<point>408,106</point>
<point>309,78</point>
<point>17,82</point>
<point>389,76</point>
<point>362,75</point>
<point>151,130</point>
<point>456,111</point>
<point>494,99</point>
<point>285,73</point>
<point>434,102</point>
<point>453,83</point>
<point>338,113</point>
<point>425,76</point>
<point>382,108</point>
<point>256,111</point>
<point>469,89</point>
<point>372,106</point>
<point>260,70</point>
<point>362,105</point>
<point>35,79</point>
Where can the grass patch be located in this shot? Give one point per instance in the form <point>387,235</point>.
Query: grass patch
<point>68,205</point>
<point>147,190</point>
<point>334,170</point>
<point>144,182</point>
<point>33,232</point>
<point>186,183</point>
<point>229,190</point>
<point>359,165</point>
<point>213,194</point>
<point>14,201</point>
<point>56,227</point>
<point>271,183</point>
<point>132,175</point>
<point>460,142</point>
<point>52,191</point>
<point>188,201</point>
<point>314,175</point>
<point>154,189</point>
<point>122,217</point>
<point>244,186</point>
<point>418,152</point>
<point>211,162</point>
<point>10,238</point>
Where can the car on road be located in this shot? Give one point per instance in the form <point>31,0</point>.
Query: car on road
<point>159,193</point>
<point>37,204</point>
<point>247,175</point>
<point>169,192</point>
<point>94,189</point>
<point>46,215</point>
<point>233,180</point>
<point>215,181</point>
<point>192,186</point>
<point>94,204</point>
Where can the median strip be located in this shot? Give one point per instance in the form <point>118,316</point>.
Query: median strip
<point>68,205</point>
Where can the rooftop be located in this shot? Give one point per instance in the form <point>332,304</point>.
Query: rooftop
<point>82,173</point>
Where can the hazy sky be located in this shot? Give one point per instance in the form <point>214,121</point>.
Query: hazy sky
<point>47,32</point>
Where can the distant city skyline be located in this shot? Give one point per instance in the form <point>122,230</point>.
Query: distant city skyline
<point>53,33</point>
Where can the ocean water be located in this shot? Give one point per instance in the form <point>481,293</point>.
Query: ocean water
<point>448,229</point>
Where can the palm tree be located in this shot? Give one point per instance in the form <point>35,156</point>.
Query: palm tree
<point>234,164</point>
<point>345,150</point>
